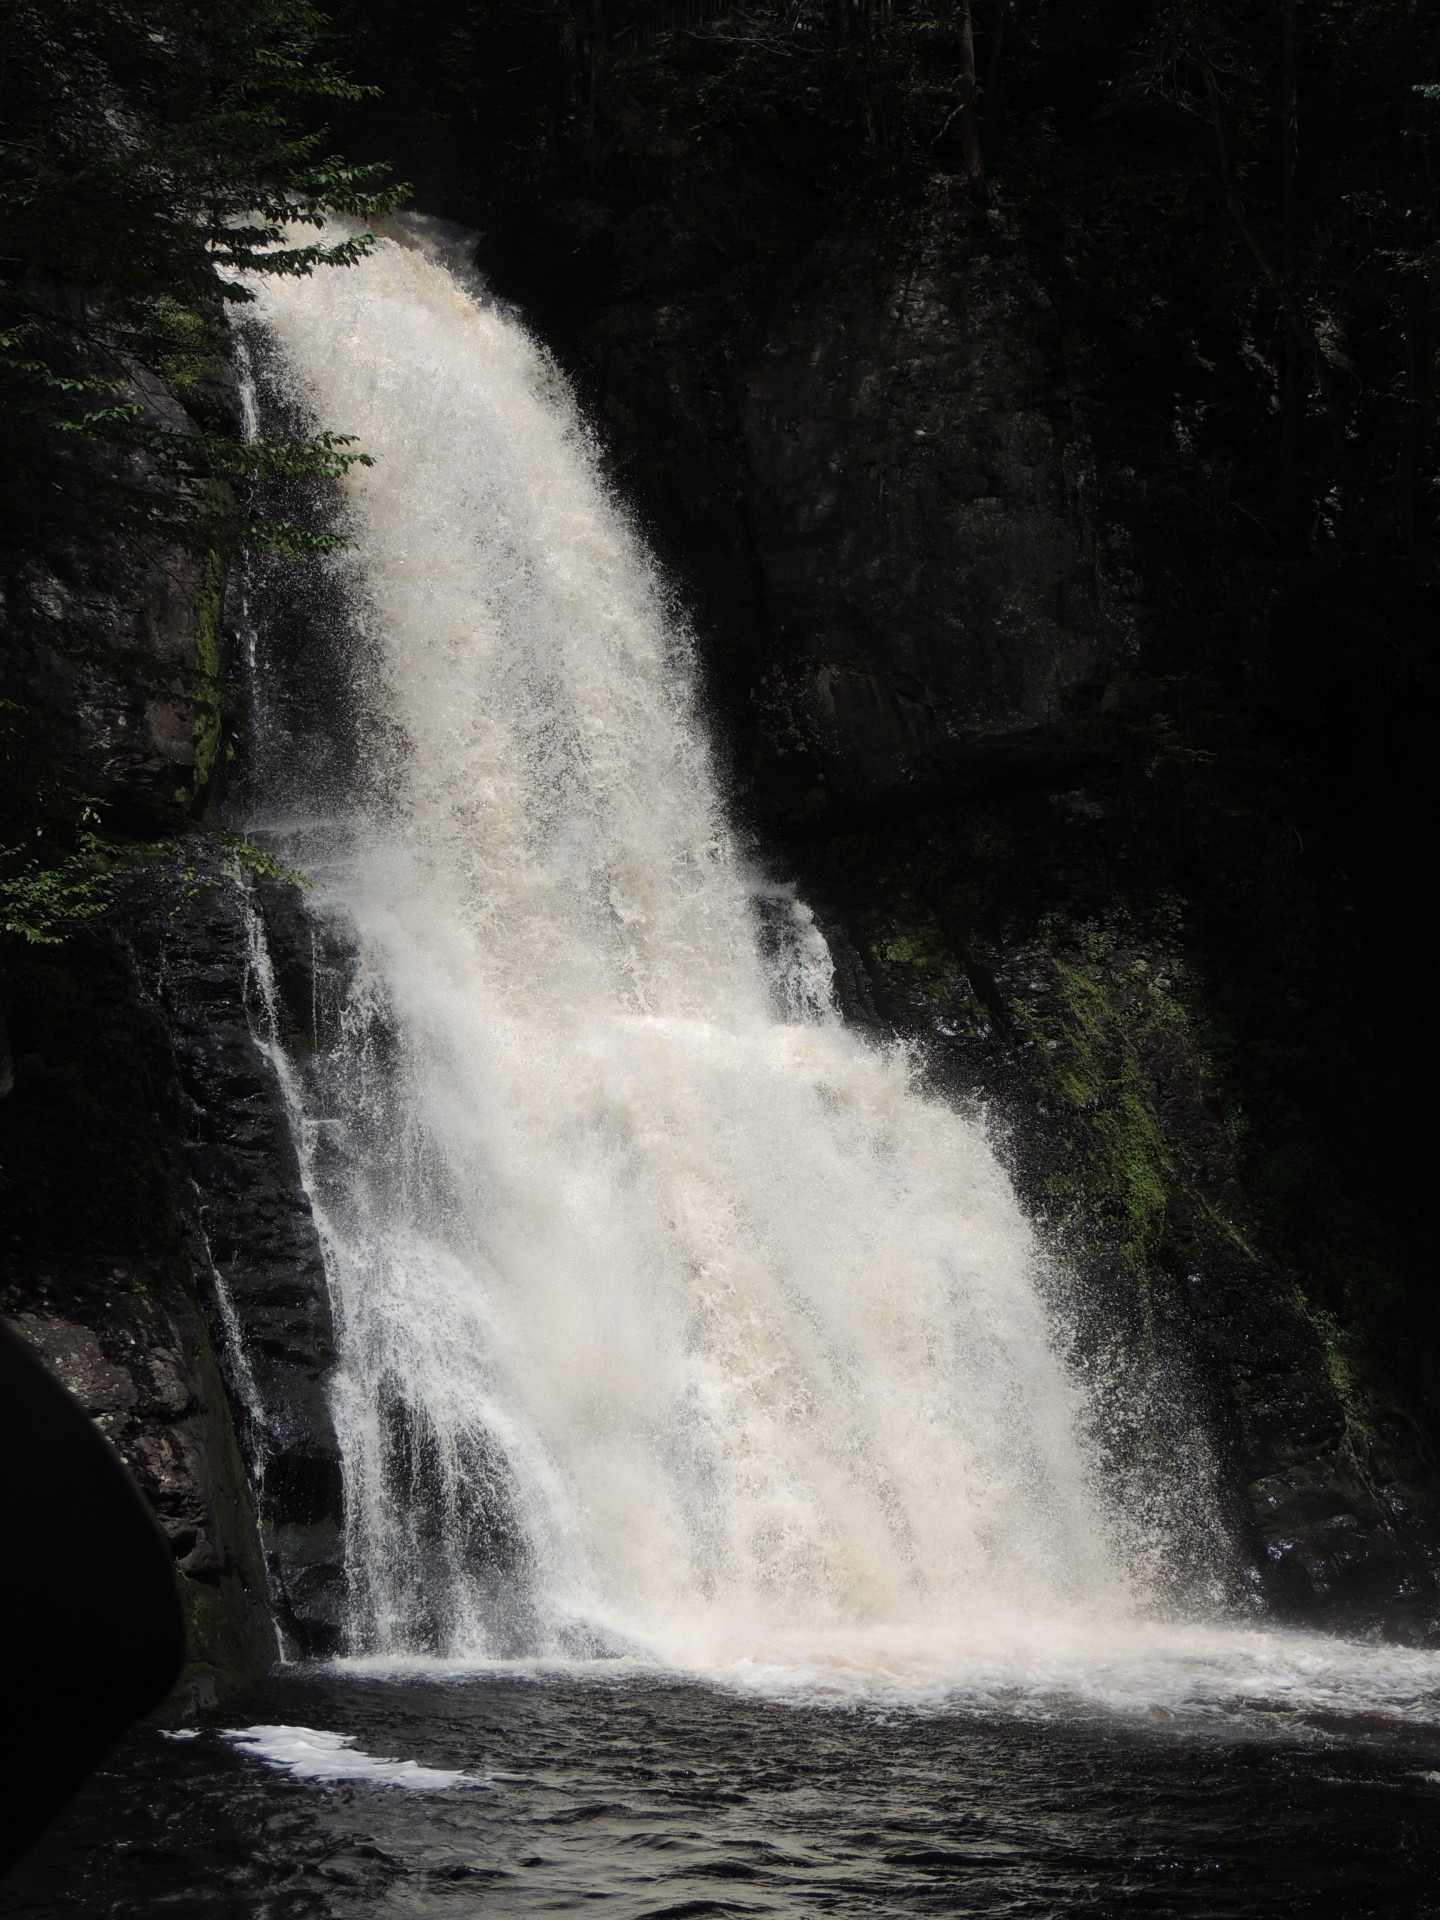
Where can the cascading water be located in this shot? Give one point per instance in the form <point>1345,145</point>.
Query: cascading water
<point>671,1316</point>
<point>672,1320</point>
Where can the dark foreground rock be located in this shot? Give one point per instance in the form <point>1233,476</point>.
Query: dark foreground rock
<point>98,1277</point>
<point>162,1260</point>
<point>251,1236</point>
<point>156,1246</point>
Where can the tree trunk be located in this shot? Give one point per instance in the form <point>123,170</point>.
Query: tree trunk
<point>1414,522</point>
<point>599,31</point>
<point>1292,367</point>
<point>968,110</point>
<point>991,102</point>
<point>1302,333</point>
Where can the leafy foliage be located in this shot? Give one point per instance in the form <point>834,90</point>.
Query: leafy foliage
<point>153,155</point>
<point>152,151</point>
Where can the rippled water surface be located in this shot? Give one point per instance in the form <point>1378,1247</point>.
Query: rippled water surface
<point>644,1797</point>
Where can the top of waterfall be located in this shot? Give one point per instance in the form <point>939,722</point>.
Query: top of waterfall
<point>445,242</point>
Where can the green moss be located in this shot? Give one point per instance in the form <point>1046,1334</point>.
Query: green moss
<point>812,807</point>
<point>1337,1342</point>
<point>919,948</point>
<point>1128,1172</point>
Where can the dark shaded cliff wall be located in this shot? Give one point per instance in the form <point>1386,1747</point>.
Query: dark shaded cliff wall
<point>157,1249</point>
<point>155,1243</point>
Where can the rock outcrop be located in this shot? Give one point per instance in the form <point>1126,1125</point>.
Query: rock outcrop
<point>157,1249</point>
<point>162,1260</point>
<point>229,1146</point>
<point>918,501</point>
<point>98,1277</point>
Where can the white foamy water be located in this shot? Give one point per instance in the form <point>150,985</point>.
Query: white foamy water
<point>313,1754</point>
<point>1197,1675</point>
<point>674,1323</point>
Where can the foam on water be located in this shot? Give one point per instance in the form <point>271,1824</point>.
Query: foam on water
<point>311,1754</point>
<point>1189,1673</point>
<point>1140,1668</point>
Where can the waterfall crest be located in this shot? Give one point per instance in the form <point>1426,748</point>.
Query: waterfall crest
<point>672,1318</point>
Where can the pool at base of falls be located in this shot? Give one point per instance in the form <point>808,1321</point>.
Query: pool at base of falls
<point>648,1796</point>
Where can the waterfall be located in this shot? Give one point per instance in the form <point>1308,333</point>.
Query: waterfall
<point>672,1317</point>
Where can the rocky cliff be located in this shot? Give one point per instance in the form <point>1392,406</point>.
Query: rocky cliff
<point>158,1250</point>
<point>1093,788</point>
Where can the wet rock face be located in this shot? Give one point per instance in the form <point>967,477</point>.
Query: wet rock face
<point>156,1245</point>
<point>1227,1424</point>
<point>146,742</point>
<point>918,505</point>
<point>148,1402</point>
<point>250,1225</point>
<point>144,1373</point>
<point>165,1264</point>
